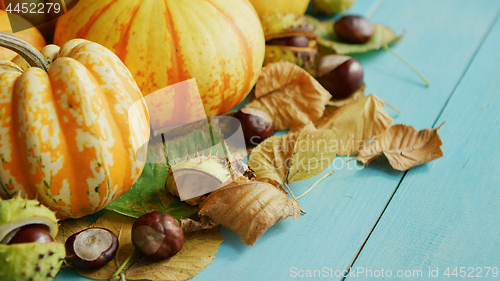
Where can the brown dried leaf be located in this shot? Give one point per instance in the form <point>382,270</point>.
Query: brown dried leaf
<point>294,157</point>
<point>356,123</point>
<point>249,208</point>
<point>404,147</point>
<point>190,225</point>
<point>198,251</point>
<point>291,96</point>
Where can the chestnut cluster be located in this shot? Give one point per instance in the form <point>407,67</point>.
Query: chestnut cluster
<point>343,75</point>
<point>157,235</point>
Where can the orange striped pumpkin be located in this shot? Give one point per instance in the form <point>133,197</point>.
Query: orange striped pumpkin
<point>220,43</point>
<point>265,8</point>
<point>71,135</point>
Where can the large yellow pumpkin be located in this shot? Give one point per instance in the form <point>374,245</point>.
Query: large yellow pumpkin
<point>31,35</point>
<point>220,43</point>
<point>273,7</point>
<point>72,135</point>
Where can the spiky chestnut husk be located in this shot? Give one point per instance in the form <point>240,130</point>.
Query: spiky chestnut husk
<point>31,261</point>
<point>329,7</point>
<point>28,261</point>
<point>201,174</point>
<point>286,26</point>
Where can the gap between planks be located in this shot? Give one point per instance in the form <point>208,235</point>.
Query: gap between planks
<point>369,15</point>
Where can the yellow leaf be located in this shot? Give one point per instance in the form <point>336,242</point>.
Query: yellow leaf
<point>70,226</point>
<point>198,251</point>
<point>288,94</point>
<point>249,208</point>
<point>404,147</point>
<point>294,157</point>
<point>356,123</point>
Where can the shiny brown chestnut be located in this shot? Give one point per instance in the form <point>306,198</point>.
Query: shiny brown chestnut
<point>157,235</point>
<point>256,125</point>
<point>354,29</point>
<point>31,233</point>
<point>340,75</point>
<point>293,41</point>
<point>92,248</point>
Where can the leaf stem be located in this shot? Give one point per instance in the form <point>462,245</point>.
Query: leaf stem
<point>287,187</point>
<point>119,270</point>
<point>393,107</point>
<point>316,183</point>
<point>406,62</point>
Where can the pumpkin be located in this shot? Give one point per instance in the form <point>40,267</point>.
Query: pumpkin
<point>220,43</point>
<point>74,129</point>
<point>270,8</point>
<point>31,35</point>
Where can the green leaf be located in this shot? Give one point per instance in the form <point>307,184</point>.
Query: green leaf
<point>328,39</point>
<point>149,194</point>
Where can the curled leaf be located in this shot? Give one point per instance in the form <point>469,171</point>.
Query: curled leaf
<point>290,95</point>
<point>327,38</point>
<point>356,123</point>
<point>296,156</point>
<point>198,251</point>
<point>404,147</point>
<point>249,208</point>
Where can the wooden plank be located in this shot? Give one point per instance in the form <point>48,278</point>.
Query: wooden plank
<point>343,209</point>
<point>446,215</point>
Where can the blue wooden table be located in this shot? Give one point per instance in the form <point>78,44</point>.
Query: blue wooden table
<point>437,221</point>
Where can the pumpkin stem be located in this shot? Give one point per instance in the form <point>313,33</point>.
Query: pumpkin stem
<point>24,49</point>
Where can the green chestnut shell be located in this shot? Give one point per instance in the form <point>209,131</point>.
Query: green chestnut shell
<point>289,25</point>
<point>329,7</point>
<point>31,261</point>
<point>28,261</point>
<point>18,212</point>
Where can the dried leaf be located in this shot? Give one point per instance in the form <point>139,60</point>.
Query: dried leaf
<point>404,147</point>
<point>190,225</point>
<point>70,226</point>
<point>295,157</point>
<point>289,95</point>
<point>327,38</point>
<point>249,208</point>
<point>198,251</point>
<point>356,123</point>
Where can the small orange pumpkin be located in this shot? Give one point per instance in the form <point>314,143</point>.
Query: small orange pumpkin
<point>74,126</point>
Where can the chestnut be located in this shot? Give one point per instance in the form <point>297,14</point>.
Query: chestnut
<point>91,248</point>
<point>31,233</point>
<point>354,29</point>
<point>340,75</point>
<point>157,235</point>
<point>293,41</point>
<point>256,125</point>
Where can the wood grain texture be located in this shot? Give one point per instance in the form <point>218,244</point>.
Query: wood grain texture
<point>342,210</point>
<point>446,214</point>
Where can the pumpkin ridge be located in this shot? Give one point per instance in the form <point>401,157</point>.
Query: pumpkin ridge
<point>120,47</point>
<point>248,61</point>
<point>83,32</point>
